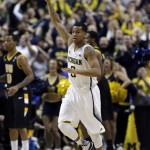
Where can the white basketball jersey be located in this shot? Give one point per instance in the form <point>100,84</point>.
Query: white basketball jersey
<point>76,60</point>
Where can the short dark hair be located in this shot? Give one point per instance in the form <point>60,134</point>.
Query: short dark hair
<point>82,25</point>
<point>14,37</point>
<point>93,35</point>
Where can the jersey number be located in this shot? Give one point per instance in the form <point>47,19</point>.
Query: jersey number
<point>9,78</point>
<point>73,75</point>
<point>9,70</point>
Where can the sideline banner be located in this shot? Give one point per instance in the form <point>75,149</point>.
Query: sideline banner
<point>131,139</point>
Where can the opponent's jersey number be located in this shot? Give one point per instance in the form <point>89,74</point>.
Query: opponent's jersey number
<point>9,71</point>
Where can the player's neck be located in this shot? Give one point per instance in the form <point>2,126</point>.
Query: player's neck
<point>12,52</point>
<point>93,44</point>
<point>79,45</point>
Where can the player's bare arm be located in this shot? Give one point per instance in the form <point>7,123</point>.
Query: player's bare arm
<point>94,71</point>
<point>22,62</point>
<point>57,23</point>
<point>3,78</point>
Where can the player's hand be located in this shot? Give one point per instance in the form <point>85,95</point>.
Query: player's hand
<point>12,90</point>
<point>69,70</point>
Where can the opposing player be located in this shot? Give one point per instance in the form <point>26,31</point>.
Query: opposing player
<point>82,101</point>
<point>18,76</point>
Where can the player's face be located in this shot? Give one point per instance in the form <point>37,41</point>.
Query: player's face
<point>78,34</point>
<point>88,39</point>
<point>9,44</point>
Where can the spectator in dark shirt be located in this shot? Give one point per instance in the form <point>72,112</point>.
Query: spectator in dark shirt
<point>60,51</point>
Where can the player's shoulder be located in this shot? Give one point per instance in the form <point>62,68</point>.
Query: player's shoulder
<point>21,57</point>
<point>71,45</point>
<point>89,50</point>
<point>88,46</point>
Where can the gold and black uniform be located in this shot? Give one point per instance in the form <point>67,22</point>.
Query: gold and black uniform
<point>18,106</point>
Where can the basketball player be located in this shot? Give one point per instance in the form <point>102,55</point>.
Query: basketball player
<point>18,76</point>
<point>106,104</point>
<point>82,101</point>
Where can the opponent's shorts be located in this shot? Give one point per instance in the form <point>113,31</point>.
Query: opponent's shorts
<point>18,110</point>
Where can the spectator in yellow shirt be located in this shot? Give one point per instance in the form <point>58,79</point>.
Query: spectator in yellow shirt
<point>142,80</point>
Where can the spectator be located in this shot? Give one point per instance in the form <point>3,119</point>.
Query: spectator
<point>60,52</point>
<point>30,51</point>
<point>51,106</point>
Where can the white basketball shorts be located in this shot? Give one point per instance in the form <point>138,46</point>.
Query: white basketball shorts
<point>84,106</point>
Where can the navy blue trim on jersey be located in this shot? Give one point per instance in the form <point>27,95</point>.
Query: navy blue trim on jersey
<point>90,82</point>
<point>93,102</point>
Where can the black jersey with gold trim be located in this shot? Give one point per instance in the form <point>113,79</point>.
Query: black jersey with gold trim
<point>99,52</point>
<point>13,71</point>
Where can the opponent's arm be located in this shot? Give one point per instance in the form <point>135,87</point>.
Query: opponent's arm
<point>57,22</point>
<point>94,71</point>
<point>22,62</point>
<point>3,78</point>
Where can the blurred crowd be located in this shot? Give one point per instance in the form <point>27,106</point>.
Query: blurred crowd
<point>123,28</point>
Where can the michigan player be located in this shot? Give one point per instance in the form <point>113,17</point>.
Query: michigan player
<point>18,76</point>
<point>106,104</point>
<point>82,101</point>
